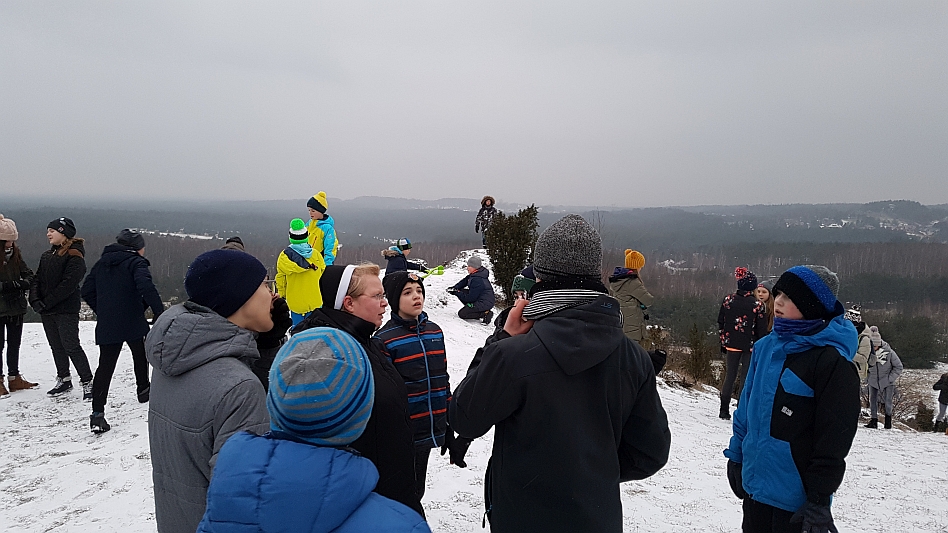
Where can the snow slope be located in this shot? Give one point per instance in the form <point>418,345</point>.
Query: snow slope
<point>56,476</point>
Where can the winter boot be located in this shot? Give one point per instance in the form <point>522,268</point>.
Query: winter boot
<point>888,422</point>
<point>98,424</point>
<point>62,385</point>
<point>144,394</point>
<point>18,383</point>
<point>87,390</point>
<point>725,413</point>
<point>488,316</point>
<point>4,393</point>
<point>873,423</point>
<point>940,426</point>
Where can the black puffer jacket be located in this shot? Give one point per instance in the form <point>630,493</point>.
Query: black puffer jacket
<point>942,385</point>
<point>15,280</point>
<point>55,288</point>
<point>576,412</point>
<point>387,440</point>
<point>742,321</point>
<point>118,289</point>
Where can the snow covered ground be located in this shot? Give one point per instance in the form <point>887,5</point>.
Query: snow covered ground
<point>56,476</point>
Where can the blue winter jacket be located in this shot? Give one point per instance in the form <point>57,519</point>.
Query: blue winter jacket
<point>270,484</point>
<point>476,289</point>
<point>797,416</point>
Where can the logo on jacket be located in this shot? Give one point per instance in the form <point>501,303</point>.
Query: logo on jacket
<point>786,410</point>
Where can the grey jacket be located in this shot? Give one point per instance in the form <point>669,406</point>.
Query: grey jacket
<point>632,295</point>
<point>201,394</point>
<point>885,367</point>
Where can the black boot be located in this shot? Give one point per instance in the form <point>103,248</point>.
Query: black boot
<point>725,413</point>
<point>873,423</point>
<point>888,422</point>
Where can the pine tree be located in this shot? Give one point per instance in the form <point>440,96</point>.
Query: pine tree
<point>510,242</point>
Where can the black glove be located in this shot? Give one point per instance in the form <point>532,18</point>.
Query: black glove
<point>7,286</point>
<point>658,357</point>
<point>735,479</point>
<point>281,322</point>
<point>38,306</point>
<point>816,518</point>
<point>457,448</point>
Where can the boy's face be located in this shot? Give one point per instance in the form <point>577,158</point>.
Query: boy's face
<point>411,302</point>
<point>785,308</point>
<point>314,214</point>
<point>406,252</point>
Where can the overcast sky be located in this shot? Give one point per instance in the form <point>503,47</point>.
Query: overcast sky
<point>565,102</point>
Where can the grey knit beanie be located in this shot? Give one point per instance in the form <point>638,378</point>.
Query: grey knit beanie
<point>474,262</point>
<point>569,247</point>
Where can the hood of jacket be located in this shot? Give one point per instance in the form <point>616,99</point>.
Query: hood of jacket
<point>481,272</point>
<point>115,254</point>
<point>77,246</point>
<point>581,337</point>
<point>188,335</point>
<point>621,273</point>
<point>391,252</point>
<point>325,221</point>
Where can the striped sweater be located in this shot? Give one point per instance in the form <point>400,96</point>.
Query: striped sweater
<point>416,348</point>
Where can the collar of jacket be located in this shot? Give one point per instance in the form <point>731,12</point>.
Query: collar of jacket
<point>622,273</point>
<point>413,324</point>
<point>362,330</point>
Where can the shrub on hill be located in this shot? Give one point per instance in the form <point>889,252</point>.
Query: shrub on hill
<point>510,242</point>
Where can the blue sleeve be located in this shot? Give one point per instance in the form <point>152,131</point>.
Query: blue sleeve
<point>329,244</point>
<point>735,450</point>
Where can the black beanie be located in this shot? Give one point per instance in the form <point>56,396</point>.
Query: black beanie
<point>812,288</point>
<point>314,203</point>
<point>130,238</point>
<point>395,282</point>
<point>223,280</point>
<point>63,225</point>
<point>334,284</point>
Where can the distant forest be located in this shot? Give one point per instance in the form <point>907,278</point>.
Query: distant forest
<point>892,257</point>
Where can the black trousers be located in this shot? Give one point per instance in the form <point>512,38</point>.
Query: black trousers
<point>421,470</point>
<point>108,357</point>
<point>468,312</point>
<point>763,518</point>
<point>62,332</point>
<point>11,330</point>
<point>735,359</point>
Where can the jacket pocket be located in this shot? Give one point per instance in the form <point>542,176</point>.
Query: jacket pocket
<point>793,408</point>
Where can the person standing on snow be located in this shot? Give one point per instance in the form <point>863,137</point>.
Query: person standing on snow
<point>573,401</point>
<point>397,258</point>
<point>299,268</point>
<point>115,289</point>
<point>742,320</point>
<point>864,351</point>
<point>626,286</point>
<point>484,217</point>
<point>941,421</point>
<point>475,292</point>
<point>885,367</point>
<point>799,409</point>
<point>322,228</point>
<point>15,279</point>
<point>54,294</point>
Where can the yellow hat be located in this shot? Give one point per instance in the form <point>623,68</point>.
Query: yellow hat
<point>634,260</point>
<point>318,202</point>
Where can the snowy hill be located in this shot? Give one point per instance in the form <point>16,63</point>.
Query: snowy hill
<point>56,476</point>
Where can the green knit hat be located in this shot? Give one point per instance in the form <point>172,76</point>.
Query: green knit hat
<point>298,232</point>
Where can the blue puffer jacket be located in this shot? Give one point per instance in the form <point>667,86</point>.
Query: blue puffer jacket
<point>798,415</point>
<point>416,348</point>
<point>476,289</point>
<point>269,484</point>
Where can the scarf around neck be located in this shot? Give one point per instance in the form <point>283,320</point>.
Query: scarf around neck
<point>545,303</point>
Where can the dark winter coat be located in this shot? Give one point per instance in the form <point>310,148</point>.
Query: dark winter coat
<point>15,281</point>
<point>397,262</point>
<point>484,217</point>
<point>797,416</point>
<point>476,289</point>
<point>634,300</point>
<point>942,385</point>
<point>387,439</point>
<point>55,287</point>
<point>576,411</point>
<point>269,484</point>
<point>742,320</point>
<point>118,289</point>
<point>201,394</point>
<point>416,348</point>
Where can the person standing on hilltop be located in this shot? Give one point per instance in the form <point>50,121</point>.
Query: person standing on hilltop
<point>885,367</point>
<point>116,289</point>
<point>397,258</point>
<point>484,217</point>
<point>626,286</point>
<point>15,278</point>
<point>299,268</point>
<point>54,294</point>
<point>322,228</point>
<point>742,320</point>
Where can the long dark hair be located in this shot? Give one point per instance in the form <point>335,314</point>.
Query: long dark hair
<point>13,265</point>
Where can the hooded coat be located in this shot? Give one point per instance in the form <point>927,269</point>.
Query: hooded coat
<point>270,484</point>
<point>475,289</point>
<point>201,394</point>
<point>797,416</point>
<point>15,280</point>
<point>634,300</point>
<point>118,289</point>
<point>397,262</point>
<point>55,287</point>
<point>322,237</point>
<point>885,367</point>
<point>297,279</point>
<point>576,411</point>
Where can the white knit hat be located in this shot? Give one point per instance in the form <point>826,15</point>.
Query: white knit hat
<point>8,230</point>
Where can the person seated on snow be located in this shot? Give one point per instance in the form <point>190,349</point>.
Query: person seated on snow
<point>322,228</point>
<point>299,268</point>
<point>799,409</point>
<point>202,391</point>
<point>302,475</point>
<point>885,367</point>
<point>475,292</point>
<point>415,345</point>
<point>397,257</point>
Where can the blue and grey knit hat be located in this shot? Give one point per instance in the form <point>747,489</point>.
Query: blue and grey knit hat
<point>321,388</point>
<point>812,288</point>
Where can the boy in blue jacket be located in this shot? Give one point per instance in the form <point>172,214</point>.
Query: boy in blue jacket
<point>302,476</point>
<point>798,411</point>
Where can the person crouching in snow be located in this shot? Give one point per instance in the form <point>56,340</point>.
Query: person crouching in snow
<point>322,229</point>
<point>475,292</point>
<point>397,258</point>
<point>302,475</point>
<point>798,411</point>
<point>885,367</point>
<point>299,269</point>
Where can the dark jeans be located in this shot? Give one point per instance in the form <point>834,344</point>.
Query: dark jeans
<point>62,332</point>
<point>467,312</point>
<point>12,326</point>
<point>108,357</point>
<point>421,470</point>
<point>733,360</point>
<point>763,518</point>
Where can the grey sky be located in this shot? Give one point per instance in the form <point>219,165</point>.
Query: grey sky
<point>593,103</point>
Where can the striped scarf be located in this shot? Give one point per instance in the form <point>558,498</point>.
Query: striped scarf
<point>545,303</point>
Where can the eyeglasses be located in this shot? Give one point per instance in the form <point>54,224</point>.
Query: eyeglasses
<point>378,297</point>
